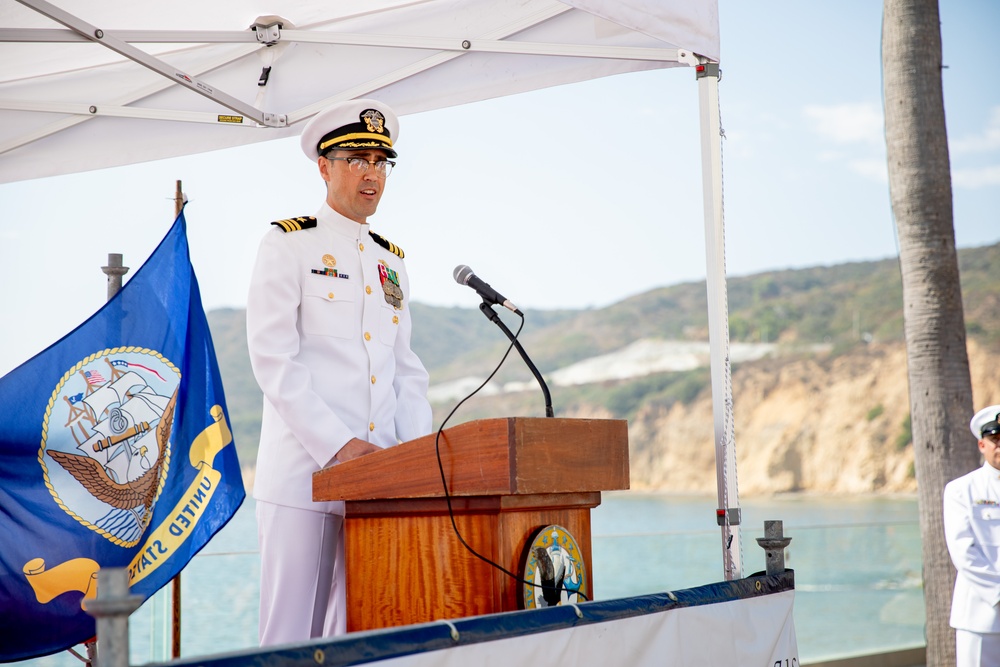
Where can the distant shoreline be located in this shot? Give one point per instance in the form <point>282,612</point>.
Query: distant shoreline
<point>902,495</point>
<point>249,472</point>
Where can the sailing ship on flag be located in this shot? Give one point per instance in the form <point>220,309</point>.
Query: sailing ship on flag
<point>121,429</point>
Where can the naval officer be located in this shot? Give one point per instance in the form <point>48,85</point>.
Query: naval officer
<point>328,327</point>
<point>972,532</point>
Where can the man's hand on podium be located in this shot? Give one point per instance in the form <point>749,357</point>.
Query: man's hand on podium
<point>354,448</point>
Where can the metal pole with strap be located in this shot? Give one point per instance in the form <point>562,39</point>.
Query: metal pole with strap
<point>728,512</point>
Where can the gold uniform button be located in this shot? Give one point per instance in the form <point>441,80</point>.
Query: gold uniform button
<point>395,319</point>
<point>368,336</point>
<point>368,289</point>
<point>373,379</point>
<point>371,427</point>
<point>361,247</point>
<point>330,295</point>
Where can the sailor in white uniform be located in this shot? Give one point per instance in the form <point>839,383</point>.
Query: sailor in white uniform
<point>328,327</point>
<point>972,532</point>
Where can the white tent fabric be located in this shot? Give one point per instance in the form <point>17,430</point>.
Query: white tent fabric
<point>70,103</point>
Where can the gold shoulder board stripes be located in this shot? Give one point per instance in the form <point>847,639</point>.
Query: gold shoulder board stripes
<point>387,244</point>
<point>295,224</point>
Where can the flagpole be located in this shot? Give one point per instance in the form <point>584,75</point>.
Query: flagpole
<point>114,271</point>
<point>176,586</point>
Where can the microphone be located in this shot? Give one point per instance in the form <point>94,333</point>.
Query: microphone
<point>464,276</point>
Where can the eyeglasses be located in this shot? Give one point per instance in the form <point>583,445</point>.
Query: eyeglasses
<point>359,165</point>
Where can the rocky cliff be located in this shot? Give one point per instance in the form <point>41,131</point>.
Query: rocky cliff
<point>814,424</point>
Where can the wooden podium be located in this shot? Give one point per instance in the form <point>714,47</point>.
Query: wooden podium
<point>507,478</point>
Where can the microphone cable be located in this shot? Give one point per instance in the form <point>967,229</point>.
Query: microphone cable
<point>444,481</point>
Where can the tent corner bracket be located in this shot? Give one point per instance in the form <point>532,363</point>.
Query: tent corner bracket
<point>274,119</point>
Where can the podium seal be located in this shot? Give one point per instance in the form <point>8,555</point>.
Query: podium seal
<point>554,569</point>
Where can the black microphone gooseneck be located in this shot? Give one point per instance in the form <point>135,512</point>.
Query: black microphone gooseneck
<point>550,589</point>
<point>491,315</point>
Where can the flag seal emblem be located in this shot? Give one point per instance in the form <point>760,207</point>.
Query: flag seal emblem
<point>105,450</point>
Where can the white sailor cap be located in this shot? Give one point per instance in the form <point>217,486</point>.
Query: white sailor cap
<point>986,422</point>
<point>351,126</point>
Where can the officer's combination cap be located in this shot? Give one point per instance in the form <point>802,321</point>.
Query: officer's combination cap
<point>986,422</point>
<point>351,126</point>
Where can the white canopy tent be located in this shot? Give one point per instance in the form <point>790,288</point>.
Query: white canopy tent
<point>187,77</point>
<point>90,85</point>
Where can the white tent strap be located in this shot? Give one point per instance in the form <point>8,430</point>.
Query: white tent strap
<point>730,473</point>
<point>718,326</point>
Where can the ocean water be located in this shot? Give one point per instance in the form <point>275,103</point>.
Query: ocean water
<point>857,569</point>
<point>857,561</point>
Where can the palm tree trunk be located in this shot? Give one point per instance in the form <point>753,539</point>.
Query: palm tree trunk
<point>938,364</point>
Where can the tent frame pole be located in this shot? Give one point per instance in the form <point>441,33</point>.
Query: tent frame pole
<point>728,512</point>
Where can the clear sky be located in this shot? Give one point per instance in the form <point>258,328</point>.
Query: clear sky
<point>575,197</point>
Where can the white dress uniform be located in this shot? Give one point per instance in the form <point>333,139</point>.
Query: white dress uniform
<point>331,352</point>
<point>972,532</point>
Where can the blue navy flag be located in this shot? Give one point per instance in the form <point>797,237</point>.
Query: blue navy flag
<point>115,451</point>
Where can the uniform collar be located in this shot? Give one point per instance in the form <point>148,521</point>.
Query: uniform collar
<point>330,219</point>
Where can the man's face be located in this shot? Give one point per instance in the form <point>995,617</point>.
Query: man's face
<point>353,195</point>
<point>989,445</point>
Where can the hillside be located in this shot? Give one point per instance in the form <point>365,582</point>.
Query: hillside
<point>819,374</point>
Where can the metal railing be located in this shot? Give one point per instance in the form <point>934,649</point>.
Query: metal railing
<point>221,590</point>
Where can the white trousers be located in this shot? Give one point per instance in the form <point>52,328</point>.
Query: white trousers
<point>302,588</point>
<point>975,649</point>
